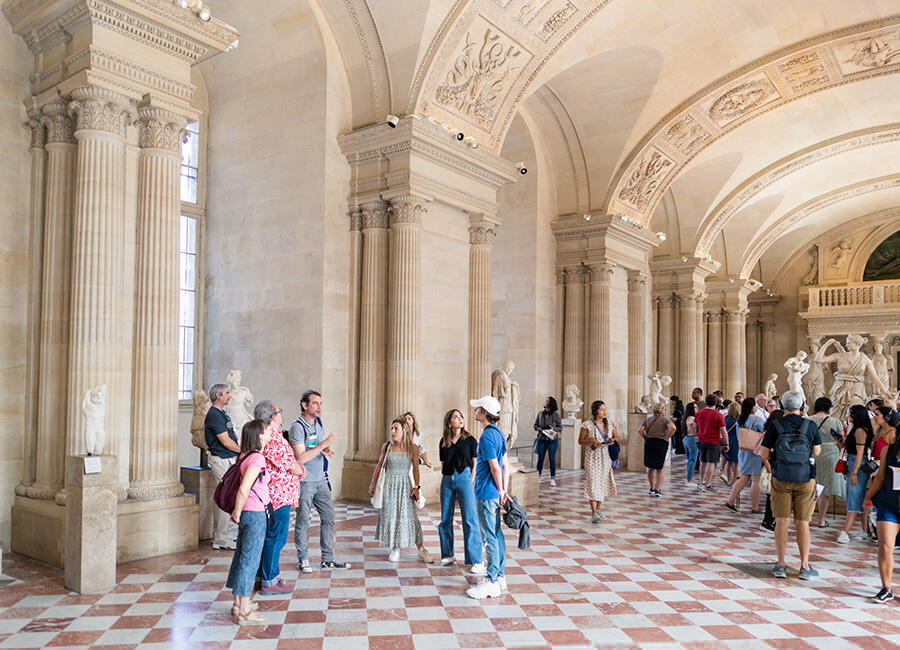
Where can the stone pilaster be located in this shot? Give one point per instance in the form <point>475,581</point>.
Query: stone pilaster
<point>36,241</point>
<point>573,353</point>
<point>599,331</point>
<point>767,353</point>
<point>742,373</point>
<point>154,415</point>
<point>637,336</point>
<point>687,343</point>
<point>356,244</point>
<point>700,361</point>
<point>371,420</point>
<point>560,329</point>
<point>751,353</point>
<point>481,235</point>
<point>99,335</point>
<point>405,304</point>
<point>55,304</point>
<point>666,341</point>
<point>735,353</point>
<point>714,351</point>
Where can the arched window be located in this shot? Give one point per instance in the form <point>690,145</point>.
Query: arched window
<point>884,262</point>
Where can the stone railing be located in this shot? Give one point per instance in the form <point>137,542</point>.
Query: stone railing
<point>855,296</point>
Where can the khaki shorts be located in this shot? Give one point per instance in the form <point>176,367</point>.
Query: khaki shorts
<point>802,496</point>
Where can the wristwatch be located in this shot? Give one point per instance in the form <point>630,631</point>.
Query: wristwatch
<point>417,487</point>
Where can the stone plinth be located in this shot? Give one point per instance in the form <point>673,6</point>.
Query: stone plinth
<point>525,486</point>
<point>199,483</point>
<point>569,449</point>
<point>38,530</point>
<point>90,552</point>
<point>156,527</point>
<point>634,460</point>
<point>357,477</point>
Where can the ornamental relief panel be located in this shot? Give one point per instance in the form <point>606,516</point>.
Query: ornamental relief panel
<point>645,180</point>
<point>743,98</point>
<point>868,53</point>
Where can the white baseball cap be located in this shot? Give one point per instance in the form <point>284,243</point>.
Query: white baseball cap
<point>488,403</point>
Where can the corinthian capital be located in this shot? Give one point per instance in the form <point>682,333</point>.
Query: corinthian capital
<point>100,110</point>
<point>356,217</point>
<point>407,208</point>
<point>161,129</point>
<point>374,215</point>
<point>481,230</point>
<point>602,272</point>
<point>637,280</point>
<point>58,123</point>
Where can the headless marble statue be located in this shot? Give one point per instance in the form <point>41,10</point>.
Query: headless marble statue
<point>93,409</point>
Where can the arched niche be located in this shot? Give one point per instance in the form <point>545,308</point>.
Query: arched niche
<point>884,261</point>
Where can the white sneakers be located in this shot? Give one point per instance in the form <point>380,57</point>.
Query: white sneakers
<point>447,561</point>
<point>843,537</point>
<point>477,570</point>
<point>394,555</point>
<point>485,589</point>
<point>552,482</point>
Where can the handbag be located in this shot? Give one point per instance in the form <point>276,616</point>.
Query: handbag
<point>840,467</point>
<point>748,439</point>
<point>869,467</point>
<point>765,480</point>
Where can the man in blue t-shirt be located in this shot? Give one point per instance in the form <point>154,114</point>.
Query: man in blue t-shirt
<point>224,446</point>
<point>491,484</point>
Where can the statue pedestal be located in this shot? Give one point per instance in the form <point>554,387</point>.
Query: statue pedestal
<point>633,443</point>
<point>90,549</point>
<point>198,482</point>
<point>525,486</point>
<point>569,449</point>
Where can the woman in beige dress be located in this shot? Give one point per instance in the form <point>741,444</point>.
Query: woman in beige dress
<point>596,435</point>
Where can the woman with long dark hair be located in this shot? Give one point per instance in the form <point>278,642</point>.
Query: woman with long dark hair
<point>458,454</point>
<point>856,447</point>
<point>548,425</point>
<point>596,435</point>
<point>749,462</point>
<point>885,498</point>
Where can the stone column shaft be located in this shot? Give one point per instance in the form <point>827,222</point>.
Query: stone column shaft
<point>666,339</point>
<point>372,331</point>
<point>751,381</point>
<point>560,330</point>
<point>687,344</point>
<point>99,352</point>
<point>55,305</point>
<point>404,305</point>
<point>637,335</point>
<point>700,361</point>
<point>742,380</point>
<point>481,233</point>
<point>574,329</point>
<point>714,351</point>
<point>154,416</point>
<point>767,354</point>
<point>735,360</point>
<point>599,334</point>
<point>356,244</point>
<point>36,243</point>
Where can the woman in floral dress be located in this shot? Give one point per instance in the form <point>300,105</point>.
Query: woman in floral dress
<point>596,436</point>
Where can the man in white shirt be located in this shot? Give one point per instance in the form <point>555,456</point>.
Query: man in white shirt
<point>760,408</point>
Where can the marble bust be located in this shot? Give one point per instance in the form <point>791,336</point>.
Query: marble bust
<point>93,409</point>
<point>572,401</point>
<point>770,391</point>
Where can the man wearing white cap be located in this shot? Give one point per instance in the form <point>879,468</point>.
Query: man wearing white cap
<point>491,483</point>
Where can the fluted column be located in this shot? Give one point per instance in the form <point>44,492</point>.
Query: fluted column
<point>356,244</point>
<point>700,361</point>
<point>637,335</point>
<point>751,352</point>
<point>573,344</point>
<point>50,444</point>
<point>687,344</point>
<point>481,234</point>
<point>371,420</point>
<point>665,346</point>
<point>32,345</point>
<point>560,330</point>
<point>735,353</point>
<point>154,416</point>
<point>767,353</point>
<point>99,335</point>
<point>742,379</point>
<point>599,333</point>
<point>714,350</point>
<point>405,304</point>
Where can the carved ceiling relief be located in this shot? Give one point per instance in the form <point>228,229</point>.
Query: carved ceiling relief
<point>742,99</point>
<point>556,20</point>
<point>686,135</point>
<point>477,83</point>
<point>868,53</point>
<point>645,179</point>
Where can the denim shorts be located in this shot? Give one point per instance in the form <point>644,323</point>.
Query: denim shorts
<point>855,494</point>
<point>887,514</point>
<point>709,452</point>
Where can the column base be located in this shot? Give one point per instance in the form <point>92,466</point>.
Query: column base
<point>199,483</point>
<point>356,477</point>
<point>144,529</point>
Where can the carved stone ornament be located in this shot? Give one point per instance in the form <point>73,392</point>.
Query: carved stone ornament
<point>557,20</point>
<point>602,272</point>
<point>644,180</point>
<point>840,253</point>
<point>874,53</point>
<point>406,209</point>
<point>161,131</point>
<point>481,233</point>
<point>99,110</point>
<point>55,117</point>
<point>476,83</point>
<point>355,219</point>
<point>38,133</point>
<point>637,280</point>
<point>686,135</point>
<point>374,215</point>
<point>742,99</point>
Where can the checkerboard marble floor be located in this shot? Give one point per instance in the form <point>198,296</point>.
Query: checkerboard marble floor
<point>676,571</point>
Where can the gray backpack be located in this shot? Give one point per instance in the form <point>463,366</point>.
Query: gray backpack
<point>792,453</point>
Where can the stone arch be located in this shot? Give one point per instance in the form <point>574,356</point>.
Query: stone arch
<point>870,245</point>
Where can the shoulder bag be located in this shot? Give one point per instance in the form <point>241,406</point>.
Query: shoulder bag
<point>377,499</point>
<point>748,439</point>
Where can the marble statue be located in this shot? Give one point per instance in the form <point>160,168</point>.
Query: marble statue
<point>572,401</point>
<point>815,378</point>
<point>770,391</point>
<point>839,254</point>
<point>201,406</point>
<point>240,407</point>
<point>646,405</point>
<point>883,365</point>
<point>507,393</point>
<point>93,408</point>
<point>796,367</point>
<point>853,369</point>
<point>813,273</point>
<point>658,382</point>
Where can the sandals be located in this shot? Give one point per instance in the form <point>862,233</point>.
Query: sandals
<point>252,619</point>
<point>235,611</point>
<point>824,525</point>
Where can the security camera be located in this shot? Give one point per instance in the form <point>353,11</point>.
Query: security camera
<point>460,136</point>
<point>522,168</point>
<point>393,121</point>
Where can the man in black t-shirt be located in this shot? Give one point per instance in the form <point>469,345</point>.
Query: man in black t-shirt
<point>787,493</point>
<point>223,449</point>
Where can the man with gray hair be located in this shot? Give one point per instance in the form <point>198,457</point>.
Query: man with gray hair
<point>224,447</point>
<point>789,448</point>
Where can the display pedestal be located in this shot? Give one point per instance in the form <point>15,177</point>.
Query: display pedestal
<point>90,550</point>
<point>198,482</point>
<point>525,485</point>
<point>569,449</point>
<point>633,443</point>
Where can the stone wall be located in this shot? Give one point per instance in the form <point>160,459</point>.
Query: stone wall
<point>15,263</point>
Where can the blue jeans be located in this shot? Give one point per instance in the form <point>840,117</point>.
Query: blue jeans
<point>489,516</point>
<point>691,451</point>
<point>459,485</point>
<point>276,536</point>
<point>248,550</point>
<point>319,496</point>
<point>543,446</point>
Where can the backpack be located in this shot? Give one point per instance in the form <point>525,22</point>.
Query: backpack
<point>792,453</point>
<point>227,489</point>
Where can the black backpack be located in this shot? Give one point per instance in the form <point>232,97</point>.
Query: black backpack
<point>792,453</point>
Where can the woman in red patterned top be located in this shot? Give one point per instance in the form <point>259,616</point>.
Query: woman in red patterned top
<point>284,485</point>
